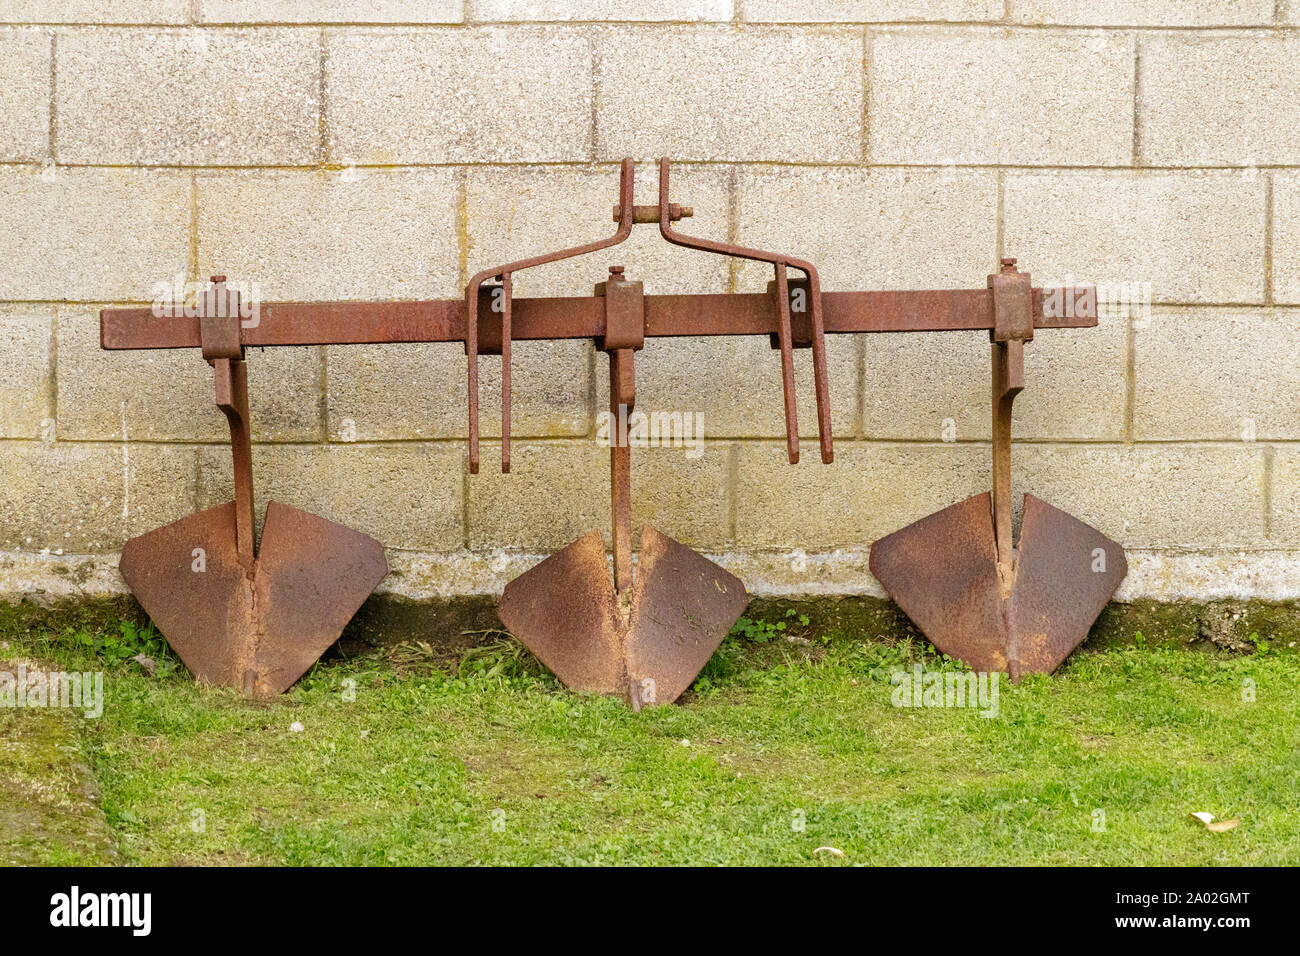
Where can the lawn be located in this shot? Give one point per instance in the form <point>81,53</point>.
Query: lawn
<point>783,747</point>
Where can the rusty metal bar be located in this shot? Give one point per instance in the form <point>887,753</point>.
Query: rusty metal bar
<point>574,317</point>
<point>784,337</point>
<point>219,341</point>
<point>1008,381</point>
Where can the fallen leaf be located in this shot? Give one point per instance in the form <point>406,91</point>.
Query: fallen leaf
<point>1219,826</point>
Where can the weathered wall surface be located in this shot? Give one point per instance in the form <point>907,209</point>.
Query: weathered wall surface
<point>388,149</point>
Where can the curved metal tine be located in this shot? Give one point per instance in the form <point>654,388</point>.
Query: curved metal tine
<point>505,272</point>
<point>783,336</point>
<point>780,262</point>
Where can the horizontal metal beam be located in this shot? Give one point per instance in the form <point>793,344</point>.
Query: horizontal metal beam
<point>443,320</point>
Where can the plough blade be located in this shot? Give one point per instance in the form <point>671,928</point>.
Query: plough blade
<point>646,645</point>
<point>563,610</point>
<point>1066,571</point>
<point>956,574</point>
<point>257,627</point>
<point>943,572</point>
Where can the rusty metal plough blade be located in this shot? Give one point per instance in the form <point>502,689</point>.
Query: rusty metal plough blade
<point>943,571</point>
<point>259,629</point>
<point>646,644</point>
<point>956,574</point>
<point>238,613</point>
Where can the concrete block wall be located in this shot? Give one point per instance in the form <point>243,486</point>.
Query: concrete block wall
<point>388,149</point>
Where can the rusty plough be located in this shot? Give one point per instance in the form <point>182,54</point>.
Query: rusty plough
<point>257,617</point>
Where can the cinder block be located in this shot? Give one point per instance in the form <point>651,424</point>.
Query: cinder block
<point>1143,13</point>
<point>25,372</point>
<point>870,491</point>
<point>76,498</point>
<point>675,10</point>
<point>782,95</point>
<point>1195,236</point>
<point>1175,496</point>
<point>515,213</point>
<point>330,11</point>
<point>355,234</point>
<point>408,496</point>
<point>980,95</point>
<point>1286,236</point>
<point>556,491</point>
<point>384,392</point>
<point>24,95</point>
<point>866,229</point>
<point>91,234</point>
<point>872,229</point>
<point>732,384</point>
<point>1216,374</point>
<point>869,11</point>
<point>95,11</point>
<point>167,395</point>
<point>936,386</point>
<point>496,94</point>
<point>159,483</point>
<point>687,498</point>
<point>181,97</point>
<point>1216,100</point>
<point>1285,499</point>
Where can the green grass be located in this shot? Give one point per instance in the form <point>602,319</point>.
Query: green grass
<point>784,746</point>
<point>48,814</point>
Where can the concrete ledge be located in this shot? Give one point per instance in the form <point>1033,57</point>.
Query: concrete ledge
<point>1232,601</point>
<point>48,579</point>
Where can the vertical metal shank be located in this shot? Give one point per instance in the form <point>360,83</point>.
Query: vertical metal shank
<point>622,398</point>
<point>232,398</point>
<point>624,333</point>
<point>1013,324</point>
<point>219,335</point>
